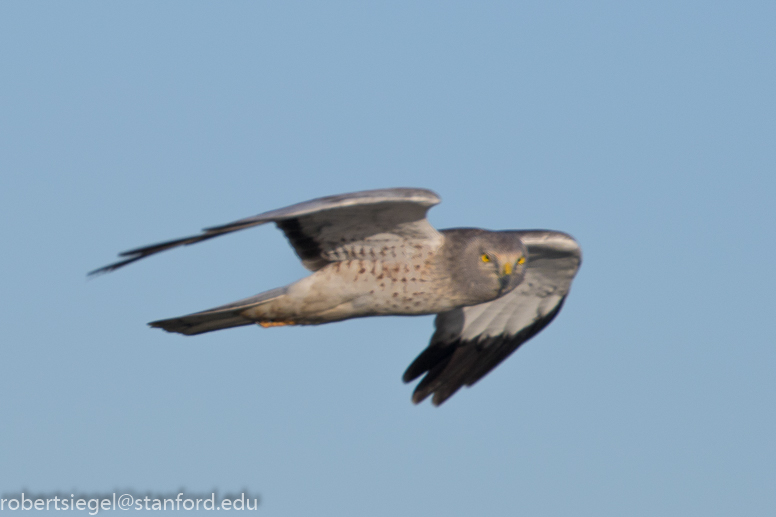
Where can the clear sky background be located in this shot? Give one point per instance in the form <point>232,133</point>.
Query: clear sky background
<point>647,130</point>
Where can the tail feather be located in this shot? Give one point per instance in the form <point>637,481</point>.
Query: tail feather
<point>225,316</point>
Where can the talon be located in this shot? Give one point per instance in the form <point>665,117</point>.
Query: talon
<point>267,324</point>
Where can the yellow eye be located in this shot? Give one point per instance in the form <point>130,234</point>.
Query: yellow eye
<point>521,260</point>
<point>485,257</point>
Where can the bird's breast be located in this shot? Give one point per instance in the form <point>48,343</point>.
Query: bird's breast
<point>382,287</point>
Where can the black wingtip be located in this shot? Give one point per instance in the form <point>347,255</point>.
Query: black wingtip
<point>433,355</point>
<point>111,267</point>
<point>145,251</point>
<point>437,400</point>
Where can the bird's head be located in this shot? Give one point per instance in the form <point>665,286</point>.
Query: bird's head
<point>491,263</point>
<point>504,259</point>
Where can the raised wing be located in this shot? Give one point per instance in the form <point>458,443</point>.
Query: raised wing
<point>330,228</point>
<point>469,342</point>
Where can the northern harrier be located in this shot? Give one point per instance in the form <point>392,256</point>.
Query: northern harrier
<point>374,253</point>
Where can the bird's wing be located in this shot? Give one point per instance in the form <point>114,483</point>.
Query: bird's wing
<point>469,342</point>
<point>330,228</point>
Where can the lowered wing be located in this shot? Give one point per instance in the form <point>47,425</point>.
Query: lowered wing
<point>469,342</point>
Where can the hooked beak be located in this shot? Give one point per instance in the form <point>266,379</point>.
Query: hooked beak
<point>503,282</point>
<point>505,278</point>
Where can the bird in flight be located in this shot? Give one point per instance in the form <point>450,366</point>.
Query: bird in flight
<point>374,253</point>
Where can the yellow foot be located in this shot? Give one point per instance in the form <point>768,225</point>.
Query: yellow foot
<point>267,324</point>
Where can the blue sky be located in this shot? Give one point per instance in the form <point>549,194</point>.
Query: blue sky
<point>646,130</point>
